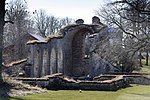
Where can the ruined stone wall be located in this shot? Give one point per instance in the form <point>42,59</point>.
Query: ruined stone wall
<point>66,54</point>
<point>74,49</point>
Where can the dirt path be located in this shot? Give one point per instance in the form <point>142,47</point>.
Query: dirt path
<point>17,88</point>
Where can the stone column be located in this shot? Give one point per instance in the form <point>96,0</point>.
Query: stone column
<point>48,60</point>
<point>91,66</point>
<point>40,61</point>
<point>63,63</point>
<point>56,50</point>
<point>32,59</point>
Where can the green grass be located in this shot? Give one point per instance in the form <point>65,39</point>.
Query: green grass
<point>137,92</point>
<point>145,68</point>
<point>144,62</point>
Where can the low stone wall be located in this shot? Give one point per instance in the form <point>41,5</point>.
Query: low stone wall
<point>102,83</point>
<point>66,83</point>
<point>139,80</point>
<point>41,82</point>
<point>58,84</point>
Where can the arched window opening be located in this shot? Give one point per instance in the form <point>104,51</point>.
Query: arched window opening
<point>60,61</point>
<point>53,61</point>
<point>45,57</point>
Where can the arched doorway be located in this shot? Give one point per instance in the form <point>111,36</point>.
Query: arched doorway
<point>53,61</point>
<point>79,63</point>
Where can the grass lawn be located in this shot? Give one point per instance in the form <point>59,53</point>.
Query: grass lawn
<point>136,92</point>
<point>145,68</point>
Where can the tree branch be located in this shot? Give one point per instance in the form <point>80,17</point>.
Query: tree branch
<point>9,22</point>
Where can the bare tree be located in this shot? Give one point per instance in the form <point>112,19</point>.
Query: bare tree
<point>53,26</point>
<point>132,17</point>
<point>49,24</point>
<point>58,23</point>
<point>112,49</point>
<point>42,21</point>
<point>2,22</point>
<point>65,21</point>
<point>14,34</point>
<point>124,14</point>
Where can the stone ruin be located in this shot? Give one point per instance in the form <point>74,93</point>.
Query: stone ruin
<point>67,60</point>
<point>69,52</point>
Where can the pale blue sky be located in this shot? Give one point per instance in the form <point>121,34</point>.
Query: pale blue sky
<point>67,8</point>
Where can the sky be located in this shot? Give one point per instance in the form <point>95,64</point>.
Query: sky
<point>76,9</point>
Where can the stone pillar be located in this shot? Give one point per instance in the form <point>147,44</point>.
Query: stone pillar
<point>95,20</point>
<point>56,60</point>
<point>91,66</point>
<point>32,48</point>
<point>48,60</point>
<point>63,62</point>
<point>40,61</point>
<point>45,60</point>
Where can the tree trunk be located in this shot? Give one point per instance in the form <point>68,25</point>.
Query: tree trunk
<point>2,22</point>
<point>146,58</point>
<point>140,56</point>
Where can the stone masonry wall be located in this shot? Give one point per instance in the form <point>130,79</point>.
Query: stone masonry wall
<point>65,52</point>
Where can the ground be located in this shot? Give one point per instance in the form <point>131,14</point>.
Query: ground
<point>145,68</point>
<point>13,87</point>
<point>135,92</point>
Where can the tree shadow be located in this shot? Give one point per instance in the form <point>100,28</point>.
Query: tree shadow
<point>10,98</point>
<point>15,98</point>
<point>4,90</point>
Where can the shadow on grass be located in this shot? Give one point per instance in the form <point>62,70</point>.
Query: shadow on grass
<point>15,98</point>
<point>10,98</point>
<point>4,90</point>
<point>146,94</point>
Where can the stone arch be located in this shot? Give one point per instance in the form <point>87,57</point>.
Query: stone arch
<point>79,63</point>
<point>60,60</point>
<point>45,58</point>
<point>53,63</point>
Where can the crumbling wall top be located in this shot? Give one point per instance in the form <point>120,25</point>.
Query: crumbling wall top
<point>95,27</point>
<point>95,20</point>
